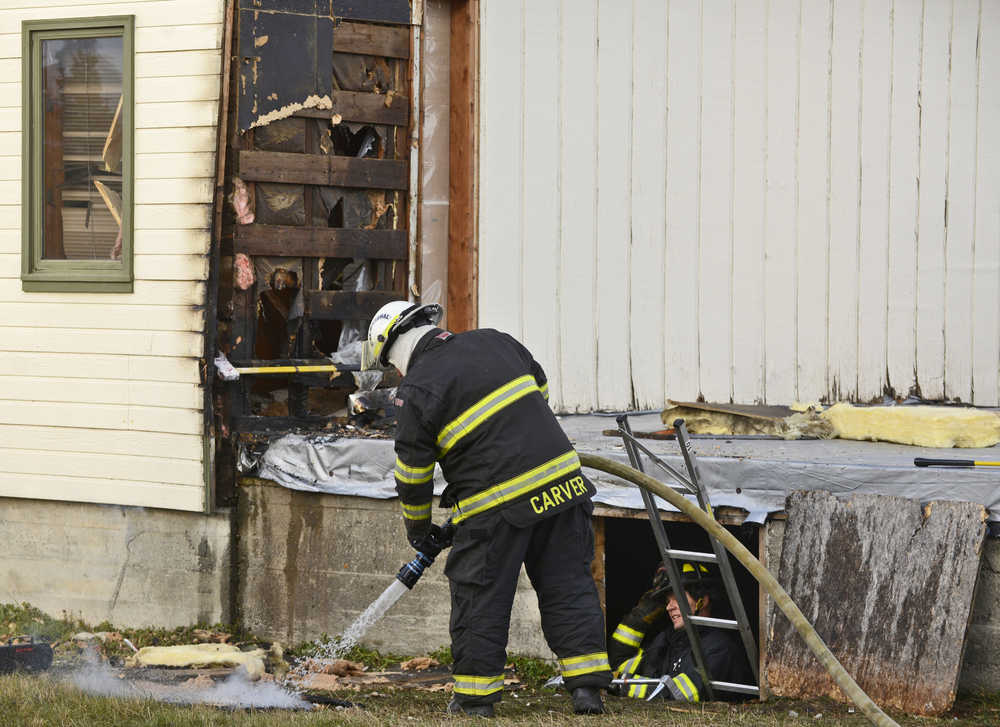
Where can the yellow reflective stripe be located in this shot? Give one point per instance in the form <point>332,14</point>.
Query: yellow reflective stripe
<point>586,664</point>
<point>416,512</point>
<point>413,475</point>
<point>477,686</point>
<point>628,668</point>
<point>627,636</point>
<point>687,687</point>
<point>544,388</point>
<point>638,691</point>
<point>483,409</point>
<point>380,339</point>
<point>516,486</point>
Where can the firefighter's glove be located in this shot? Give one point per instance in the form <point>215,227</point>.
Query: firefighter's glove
<point>652,605</point>
<point>417,531</point>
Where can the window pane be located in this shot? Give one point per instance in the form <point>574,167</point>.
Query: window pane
<point>82,148</point>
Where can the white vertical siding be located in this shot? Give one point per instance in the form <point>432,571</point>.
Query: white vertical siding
<point>986,261</point>
<point>747,200</point>
<point>613,372</point>
<point>648,292</point>
<point>100,394</point>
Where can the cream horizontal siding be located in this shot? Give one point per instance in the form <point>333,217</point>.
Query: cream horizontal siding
<point>103,490</point>
<point>100,394</point>
<point>752,201</point>
<point>101,441</point>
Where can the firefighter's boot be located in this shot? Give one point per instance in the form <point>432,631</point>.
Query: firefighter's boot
<point>480,710</point>
<point>587,700</point>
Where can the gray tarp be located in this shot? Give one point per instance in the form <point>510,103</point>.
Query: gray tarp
<point>363,467</point>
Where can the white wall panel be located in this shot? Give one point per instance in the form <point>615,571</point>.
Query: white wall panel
<point>933,197</point>
<point>812,292</point>
<point>756,200</point>
<point>683,207</point>
<point>648,290</point>
<point>749,175</point>
<point>904,168</point>
<point>578,169</point>
<point>961,210</point>
<point>540,190</point>
<point>986,263</point>
<point>502,243</point>
<point>614,205</point>
<point>780,202</point>
<point>873,249</point>
<point>715,292</point>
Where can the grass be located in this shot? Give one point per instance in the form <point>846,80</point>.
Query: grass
<point>40,701</point>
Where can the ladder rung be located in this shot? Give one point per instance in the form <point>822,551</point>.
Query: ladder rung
<point>719,623</point>
<point>733,687</point>
<point>692,555</point>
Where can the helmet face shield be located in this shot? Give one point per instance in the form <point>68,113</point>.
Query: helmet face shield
<point>369,355</point>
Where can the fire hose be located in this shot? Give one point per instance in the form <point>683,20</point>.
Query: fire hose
<point>763,576</point>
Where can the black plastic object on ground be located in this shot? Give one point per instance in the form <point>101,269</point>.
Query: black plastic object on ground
<point>28,655</point>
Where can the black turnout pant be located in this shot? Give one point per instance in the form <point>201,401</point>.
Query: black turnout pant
<point>483,568</point>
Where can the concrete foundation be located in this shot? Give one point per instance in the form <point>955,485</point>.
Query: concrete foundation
<point>305,565</point>
<point>309,564</point>
<point>131,566</point>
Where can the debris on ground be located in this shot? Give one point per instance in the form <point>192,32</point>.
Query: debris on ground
<point>201,655</point>
<point>419,663</point>
<point>211,637</point>
<point>337,667</point>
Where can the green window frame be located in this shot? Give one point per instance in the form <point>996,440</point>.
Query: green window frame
<point>38,273</point>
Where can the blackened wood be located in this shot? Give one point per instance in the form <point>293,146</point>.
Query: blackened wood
<point>463,117</point>
<point>279,424</point>
<point>888,586</point>
<point>329,304</point>
<point>302,7</point>
<point>280,204</point>
<point>320,242</point>
<point>371,74</point>
<point>282,135</point>
<point>283,59</point>
<point>380,11</point>
<point>266,166</point>
<point>376,40</point>
<point>271,362</point>
<point>364,107</point>
<point>219,479</point>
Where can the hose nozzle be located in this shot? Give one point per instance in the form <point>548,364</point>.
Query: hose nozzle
<point>428,549</point>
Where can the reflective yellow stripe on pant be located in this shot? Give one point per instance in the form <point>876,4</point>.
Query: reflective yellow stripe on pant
<point>476,686</point>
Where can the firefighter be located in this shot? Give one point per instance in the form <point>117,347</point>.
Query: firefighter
<point>476,403</point>
<point>651,642</point>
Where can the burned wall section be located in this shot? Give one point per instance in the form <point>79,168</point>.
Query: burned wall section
<point>314,237</point>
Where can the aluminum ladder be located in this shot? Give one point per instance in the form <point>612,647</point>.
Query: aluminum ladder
<point>690,485</point>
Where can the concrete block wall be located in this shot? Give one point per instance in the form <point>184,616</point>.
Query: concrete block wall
<point>309,564</point>
<point>132,566</point>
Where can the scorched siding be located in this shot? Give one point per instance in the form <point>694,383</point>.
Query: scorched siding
<point>100,394</point>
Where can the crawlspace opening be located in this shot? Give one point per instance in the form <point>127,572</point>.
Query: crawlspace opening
<point>631,558</point>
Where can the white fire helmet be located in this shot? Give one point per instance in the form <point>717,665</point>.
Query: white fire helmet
<point>392,320</point>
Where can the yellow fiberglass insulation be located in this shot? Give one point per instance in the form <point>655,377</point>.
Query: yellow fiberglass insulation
<point>201,655</point>
<point>924,426</point>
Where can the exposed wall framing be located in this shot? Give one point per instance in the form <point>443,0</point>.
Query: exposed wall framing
<point>314,237</point>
